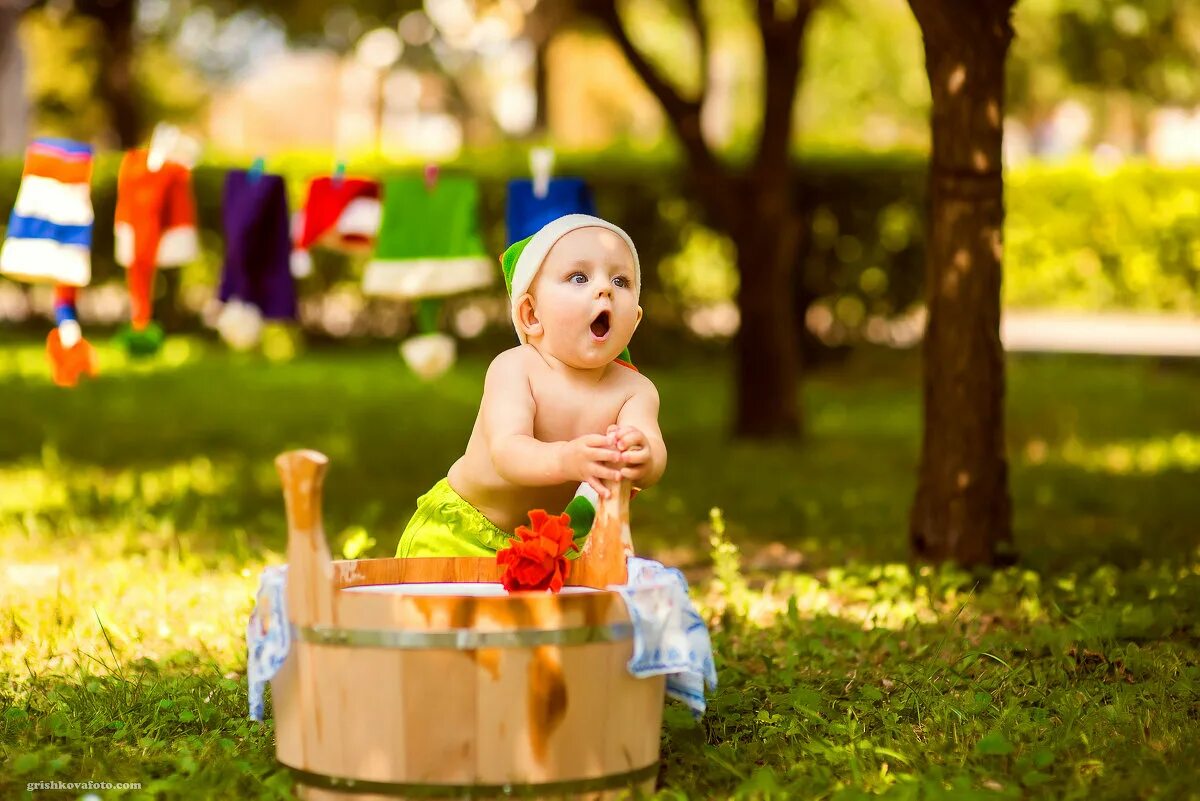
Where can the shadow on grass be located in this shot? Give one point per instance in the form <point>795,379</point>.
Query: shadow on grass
<point>182,457</point>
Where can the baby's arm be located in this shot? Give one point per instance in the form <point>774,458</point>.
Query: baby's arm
<point>643,452</point>
<point>506,413</point>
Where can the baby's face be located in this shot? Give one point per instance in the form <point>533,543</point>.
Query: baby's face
<point>586,299</point>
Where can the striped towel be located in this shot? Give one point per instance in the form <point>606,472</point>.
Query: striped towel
<point>49,236</point>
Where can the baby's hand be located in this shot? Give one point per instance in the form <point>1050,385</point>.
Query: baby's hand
<point>592,458</point>
<point>635,451</point>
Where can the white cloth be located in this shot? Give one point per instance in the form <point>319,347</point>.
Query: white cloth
<point>268,635</point>
<point>669,636</point>
<point>240,324</point>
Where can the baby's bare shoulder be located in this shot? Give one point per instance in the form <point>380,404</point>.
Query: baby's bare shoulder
<point>632,382</point>
<point>514,361</point>
<point>509,377</point>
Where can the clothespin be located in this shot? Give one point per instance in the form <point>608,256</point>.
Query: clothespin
<point>256,169</point>
<point>186,151</point>
<point>431,176</point>
<point>541,164</point>
<point>162,141</point>
<point>339,173</point>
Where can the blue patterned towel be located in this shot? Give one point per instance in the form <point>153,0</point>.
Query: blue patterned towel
<point>268,636</point>
<point>669,636</point>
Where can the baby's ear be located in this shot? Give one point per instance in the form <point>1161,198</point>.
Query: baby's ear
<point>638,320</point>
<point>527,317</point>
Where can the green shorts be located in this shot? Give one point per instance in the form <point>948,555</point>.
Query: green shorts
<point>446,525</point>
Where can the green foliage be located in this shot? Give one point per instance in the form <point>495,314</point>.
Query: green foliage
<point>65,69</point>
<point>62,78</point>
<point>1147,50</point>
<point>884,680</point>
<point>137,511</point>
<point>1093,241</point>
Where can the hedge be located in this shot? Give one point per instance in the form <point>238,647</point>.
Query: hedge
<point>1075,237</point>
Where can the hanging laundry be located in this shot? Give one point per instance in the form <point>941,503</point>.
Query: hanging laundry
<point>49,240</point>
<point>339,213</point>
<point>155,227</point>
<point>50,230</point>
<point>430,353</point>
<point>429,241</point>
<point>256,282</point>
<point>526,213</point>
<point>69,354</point>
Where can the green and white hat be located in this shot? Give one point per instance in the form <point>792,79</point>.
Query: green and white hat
<point>524,258</point>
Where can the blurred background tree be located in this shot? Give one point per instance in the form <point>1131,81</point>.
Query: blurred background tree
<point>14,111</point>
<point>1121,60</point>
<point>754,203</point>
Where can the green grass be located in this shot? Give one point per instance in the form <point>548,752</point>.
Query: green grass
<point>136,512</point>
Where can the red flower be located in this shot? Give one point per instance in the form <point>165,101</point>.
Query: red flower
<point>537,558</point>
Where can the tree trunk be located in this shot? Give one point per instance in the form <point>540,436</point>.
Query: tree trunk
<point>962,510</point>
<point>117,84</point>
<point>755,206</point>
<point>14,102</point>
<point>768,353</point>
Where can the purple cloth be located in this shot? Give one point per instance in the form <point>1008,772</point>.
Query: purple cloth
<point>258,244</point>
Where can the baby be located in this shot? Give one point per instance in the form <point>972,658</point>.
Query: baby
<point>566,406</point>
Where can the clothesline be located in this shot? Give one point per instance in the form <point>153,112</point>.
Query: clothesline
<point>422,233</point>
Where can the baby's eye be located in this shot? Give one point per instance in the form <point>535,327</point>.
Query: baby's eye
<point>621,281</point>
<point>572,278</point>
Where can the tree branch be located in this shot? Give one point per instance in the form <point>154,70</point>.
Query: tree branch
<point>765,10</point>
<point>683,113</point>
<point>781,40</point>
<point>698,21</point>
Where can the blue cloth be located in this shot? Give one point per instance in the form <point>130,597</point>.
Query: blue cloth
<point>66,146</point>
<point>37,228</point>
<point>526,213</point>
<point>669,636</point>
<point>268,635</point>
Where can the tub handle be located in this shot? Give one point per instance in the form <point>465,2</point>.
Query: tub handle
<point>310,569</point>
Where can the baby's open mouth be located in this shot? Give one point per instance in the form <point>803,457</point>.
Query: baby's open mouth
<point>600,325</point>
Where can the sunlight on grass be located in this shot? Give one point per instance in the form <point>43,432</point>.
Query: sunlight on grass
<point>866,670</point>
<point>28,360</point>
<point>55,485</point>
<point>150,608</point>
<point>1131,457</point>
<point>134,533</point>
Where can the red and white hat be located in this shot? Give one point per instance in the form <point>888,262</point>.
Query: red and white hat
<point>339,213</point>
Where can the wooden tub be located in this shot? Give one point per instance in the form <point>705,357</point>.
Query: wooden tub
<point>423,678</point>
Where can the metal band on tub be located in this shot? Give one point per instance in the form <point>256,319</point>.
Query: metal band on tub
<point>461,639</point>
<point>573,786</point>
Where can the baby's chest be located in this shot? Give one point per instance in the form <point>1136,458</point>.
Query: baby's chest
<point>567,415</point>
